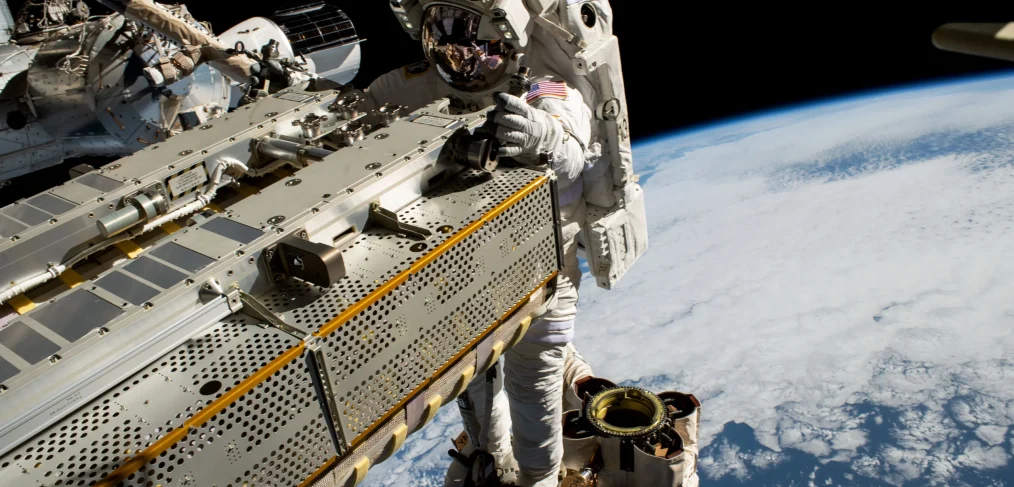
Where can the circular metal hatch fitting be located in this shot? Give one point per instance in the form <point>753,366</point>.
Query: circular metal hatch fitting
<point>625,412</point>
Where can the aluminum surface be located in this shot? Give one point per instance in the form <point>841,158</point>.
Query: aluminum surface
<point>109,329</point>
<point>246,389</point>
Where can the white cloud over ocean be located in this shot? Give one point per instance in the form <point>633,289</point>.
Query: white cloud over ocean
<point>780,305</point>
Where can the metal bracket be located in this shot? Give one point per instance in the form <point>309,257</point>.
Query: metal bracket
<point>554,188</point>
<point>256,309</point>
<point>310,126</point>
<point>347,106</point>
<point>211,290</point>
<point>389,113</point>
<point>29,102</point>
<point>389,220</point>
<point>315,263</point>
<point>233,297</point>
<point>322,385</point>
<point>626,455</point>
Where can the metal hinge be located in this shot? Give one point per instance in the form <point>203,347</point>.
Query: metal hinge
<point>389,220</point>
<point>212,289</point>
<point>256,309</point>
<point>322,384</point>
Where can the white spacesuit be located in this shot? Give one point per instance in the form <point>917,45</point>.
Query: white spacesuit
<point>472,49</point>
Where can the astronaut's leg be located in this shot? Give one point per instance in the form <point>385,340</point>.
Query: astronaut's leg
<point>541,382</point>
<point>534,380</point>
<point>534,383</point>
<point>495,438</point>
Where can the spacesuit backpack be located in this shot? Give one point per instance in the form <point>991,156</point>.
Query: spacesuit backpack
<point>579,42</point>
<point>574,39</point>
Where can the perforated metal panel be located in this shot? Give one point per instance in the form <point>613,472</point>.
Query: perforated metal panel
<point>273,434</point>
<point>237,405</point>
<point>377,445</point>
<point>389,349</point>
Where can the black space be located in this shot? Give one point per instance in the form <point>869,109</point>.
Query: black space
<point>687,64</point>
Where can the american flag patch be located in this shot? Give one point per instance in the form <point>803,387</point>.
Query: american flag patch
<point>547,89</point>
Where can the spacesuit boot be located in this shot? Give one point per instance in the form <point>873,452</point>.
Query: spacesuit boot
<point>480,469</point>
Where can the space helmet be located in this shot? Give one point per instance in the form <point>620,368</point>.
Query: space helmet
<point>472,44</point>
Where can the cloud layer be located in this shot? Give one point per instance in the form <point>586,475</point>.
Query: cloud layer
<point>812,261</point>
<point>780,307</point>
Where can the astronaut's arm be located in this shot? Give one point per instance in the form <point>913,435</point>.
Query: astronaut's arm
<point>535,134</point>
<point>566,154</point>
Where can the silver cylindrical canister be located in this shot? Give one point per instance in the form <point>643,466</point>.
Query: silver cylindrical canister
<point>685,413</point>
<point>482,154</point>
<point>310,126</point>
<point>138,208</point>
<point>147,204</point>
<point>613,474</point>
<point>664,468</point>
<point>579,442</point>
<point>118,221</point>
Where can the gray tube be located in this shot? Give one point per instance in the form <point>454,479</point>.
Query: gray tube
<point>119,221</point>
<point>284,150</point>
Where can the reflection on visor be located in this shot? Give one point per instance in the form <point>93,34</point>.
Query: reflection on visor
<point>450,40</point>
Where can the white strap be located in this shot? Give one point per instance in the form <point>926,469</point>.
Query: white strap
<point>558,31</point>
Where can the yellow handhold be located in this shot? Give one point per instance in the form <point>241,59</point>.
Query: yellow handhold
<point>71,278</point>
<point>397,439</point>
<point>522,330</point>
<point>130,248</point>
<point>21,304</point>
<point>170,228</point>
<point>466,377</point>
<point>362,466</point>
<point>432,406</point>
<point>494,355</point>
<point>213,207</point>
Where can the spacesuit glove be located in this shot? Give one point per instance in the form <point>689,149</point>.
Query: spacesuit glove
<point>524,132</point>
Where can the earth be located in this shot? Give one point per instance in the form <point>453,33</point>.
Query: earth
<point>834,281</point>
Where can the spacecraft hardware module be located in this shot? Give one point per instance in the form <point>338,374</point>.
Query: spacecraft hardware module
<point>76,83</point>
<point>283,292</point>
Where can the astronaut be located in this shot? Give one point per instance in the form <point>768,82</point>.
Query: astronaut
<point>471,51</point>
